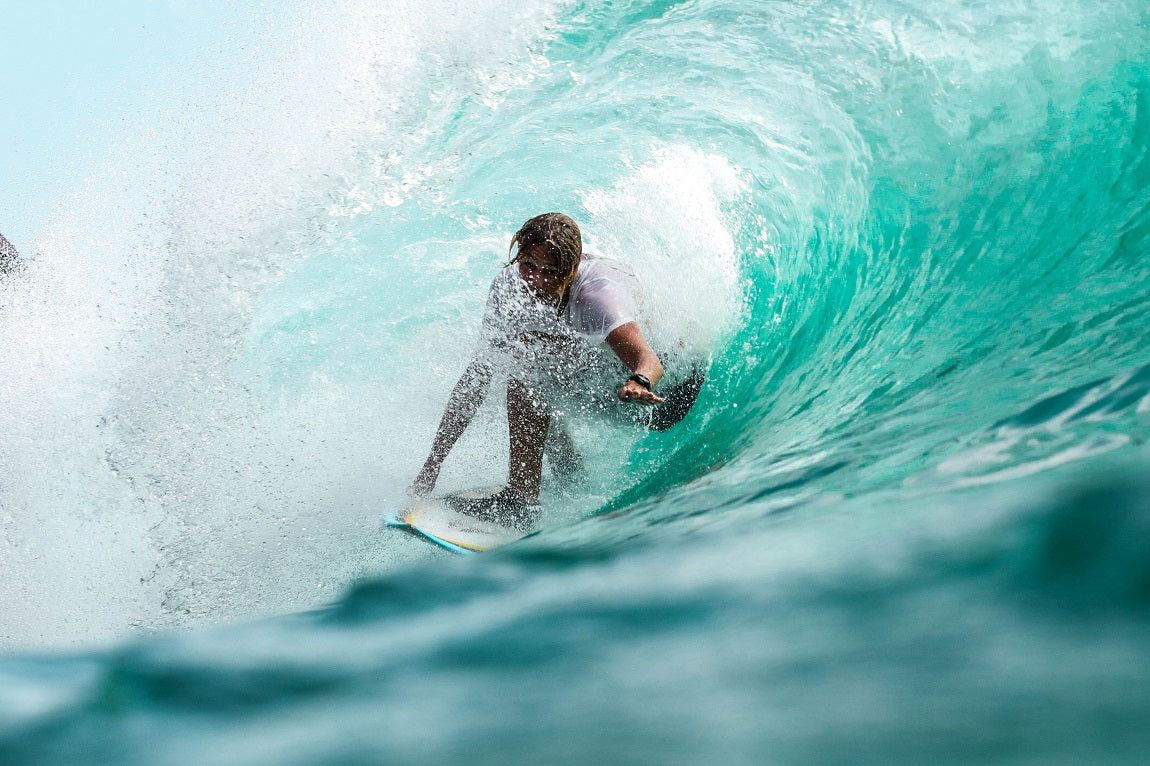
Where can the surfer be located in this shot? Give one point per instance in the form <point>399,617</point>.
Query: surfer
<point>543,309</point>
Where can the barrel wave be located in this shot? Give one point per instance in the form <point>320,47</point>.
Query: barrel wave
<point>906,519</point>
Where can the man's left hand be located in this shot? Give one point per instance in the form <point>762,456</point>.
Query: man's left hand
<point>633,392</point>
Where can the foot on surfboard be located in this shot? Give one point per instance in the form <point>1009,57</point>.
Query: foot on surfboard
<point>504,508</point>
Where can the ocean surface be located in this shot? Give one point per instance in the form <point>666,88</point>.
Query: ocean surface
<point>908,520</point>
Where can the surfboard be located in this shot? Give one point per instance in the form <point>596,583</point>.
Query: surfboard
<point>678,399</point>
<point>438,520</point>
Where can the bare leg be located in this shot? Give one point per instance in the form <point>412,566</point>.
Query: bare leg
<point>528,417</point>
<point>566,462</point>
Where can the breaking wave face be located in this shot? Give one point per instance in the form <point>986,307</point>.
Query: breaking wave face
<point>911,242</point>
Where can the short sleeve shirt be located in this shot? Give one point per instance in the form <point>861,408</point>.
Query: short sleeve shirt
<point>604,296</point>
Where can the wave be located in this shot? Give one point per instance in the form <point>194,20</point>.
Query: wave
<point>908,239</point>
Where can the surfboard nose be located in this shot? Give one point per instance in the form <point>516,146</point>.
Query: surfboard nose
<point>678,401</point>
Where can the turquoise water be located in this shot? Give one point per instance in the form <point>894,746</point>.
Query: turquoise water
<point>907,521</point>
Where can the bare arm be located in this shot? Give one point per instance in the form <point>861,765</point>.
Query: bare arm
<point>632,349</point>
<point>465,399</point>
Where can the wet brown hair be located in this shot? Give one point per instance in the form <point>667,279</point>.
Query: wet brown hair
<point>562,238</point>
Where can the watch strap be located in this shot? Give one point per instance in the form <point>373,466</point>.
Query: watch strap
<point>642,380</point>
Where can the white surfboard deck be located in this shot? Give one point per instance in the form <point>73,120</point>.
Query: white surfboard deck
<point>434,520</point>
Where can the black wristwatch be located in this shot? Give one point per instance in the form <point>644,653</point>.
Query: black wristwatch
<point>642,380</point>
